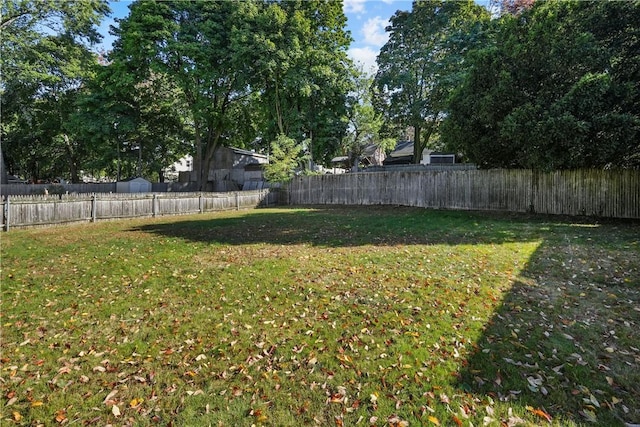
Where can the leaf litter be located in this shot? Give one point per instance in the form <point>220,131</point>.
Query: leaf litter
<point>385,334</point>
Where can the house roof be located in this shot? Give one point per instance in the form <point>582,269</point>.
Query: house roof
<point>369,150</point>
<point>403,149</point>
<point>135,179</point>
<point>248,153</point>
<point>340,159</point>
<point>400,160</point>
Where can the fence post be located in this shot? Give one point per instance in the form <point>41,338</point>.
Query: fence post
<point>94,205</point>
<point>200,203</point>
<point>153,205</point>
<point>237,201</point>
<point>5,213</point>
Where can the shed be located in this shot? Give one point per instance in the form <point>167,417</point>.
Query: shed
<point>134,185</point>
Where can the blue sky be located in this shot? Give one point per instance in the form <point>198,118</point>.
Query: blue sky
<point>366,19</point>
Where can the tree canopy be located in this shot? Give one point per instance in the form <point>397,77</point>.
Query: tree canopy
<point>555,87</point>
<point>541,84</point>
<point>422,62</point>
<point>45,61</point>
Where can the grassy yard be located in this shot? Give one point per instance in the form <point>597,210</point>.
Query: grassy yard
<point>322,316</point>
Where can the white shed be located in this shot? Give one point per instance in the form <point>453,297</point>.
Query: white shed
<point>134,185</point>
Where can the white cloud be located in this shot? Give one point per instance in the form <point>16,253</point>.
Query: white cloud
<point>353,6</point>
<point>374,31</point>
<point>365,57</point>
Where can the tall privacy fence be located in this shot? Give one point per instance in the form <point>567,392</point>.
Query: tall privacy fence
<point>26,211</point>
<point>603,193</point>
<point>612,194</point>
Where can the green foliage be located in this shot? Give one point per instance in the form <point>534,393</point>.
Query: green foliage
<point>548,86</point>
<point>363,121</point>
<point>201,48</point>
<point>303,72</point>
<point>45,62</point>
<point>183,76</point>
<point>556,88</point>
<point>247,71</point>
<point>27,25</point>
<point>118,114</point>
<point>422,62</point>
<point>39,139</point>
<point>284,158</point>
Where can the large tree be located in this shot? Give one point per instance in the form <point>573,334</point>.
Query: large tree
<point>201,47</point>
<point>557,88</point>
<point>45,60</point>
<point>136,127</point>
<point>421,63</point>
<point>303,72</point>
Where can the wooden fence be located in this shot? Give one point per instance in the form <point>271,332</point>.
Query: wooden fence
<point>603,193</point>
<point>41,210</point>
<point>613,194</point>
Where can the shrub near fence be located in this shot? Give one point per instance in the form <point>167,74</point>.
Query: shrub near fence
<point>27,211</point>
<point>610,193</point>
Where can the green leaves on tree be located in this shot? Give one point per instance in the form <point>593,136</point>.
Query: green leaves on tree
<point>284,159</point>
<point>421,64</point>
<point>555,88</point>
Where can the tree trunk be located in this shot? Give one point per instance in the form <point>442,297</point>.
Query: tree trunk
<point>417,145</point>
<point>206,151</point>
<point>73,164</point>
<point>421,140</point>
<point>199,161</point>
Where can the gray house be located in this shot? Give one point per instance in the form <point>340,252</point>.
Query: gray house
<point>235,169</point>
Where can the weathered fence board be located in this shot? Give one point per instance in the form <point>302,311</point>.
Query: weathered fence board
<point>26,211</point>
<point>604,193</point>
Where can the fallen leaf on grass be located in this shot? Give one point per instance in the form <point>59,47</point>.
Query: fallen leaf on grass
<point>435,421</point>
<point>539,412</point>
<point>16,416</point>
<point>115,411</point>
<point>394,421</point>
<point>61,416</point>
<point>110,396</point>
<point>258,415</point>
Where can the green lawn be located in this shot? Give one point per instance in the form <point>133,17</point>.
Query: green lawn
<point>322,316</point>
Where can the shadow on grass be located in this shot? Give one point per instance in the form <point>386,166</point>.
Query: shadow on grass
<point>348,227</point>
<point>564,341</point>
<point>565,338</point>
